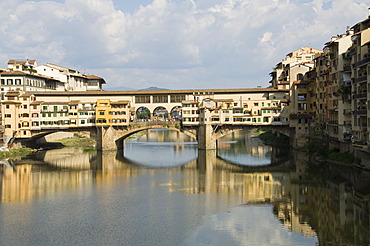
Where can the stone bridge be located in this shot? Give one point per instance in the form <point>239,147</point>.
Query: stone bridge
<point>111,137</point>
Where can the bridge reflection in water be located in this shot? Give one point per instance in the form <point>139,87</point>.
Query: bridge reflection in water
<point>299,206</point>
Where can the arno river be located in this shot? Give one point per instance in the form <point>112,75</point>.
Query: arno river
<point>162,191</point>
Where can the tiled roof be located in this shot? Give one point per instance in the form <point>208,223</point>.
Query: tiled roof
<point>198,92</point>
<point>54,103</point>
<point>21,61</point>
<point>120,102</point>
<point>17,73</point>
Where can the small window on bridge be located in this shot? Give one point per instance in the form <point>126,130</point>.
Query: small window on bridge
<point>142,99</point>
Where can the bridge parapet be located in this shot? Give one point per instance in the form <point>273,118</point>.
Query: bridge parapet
<point>154,124</point>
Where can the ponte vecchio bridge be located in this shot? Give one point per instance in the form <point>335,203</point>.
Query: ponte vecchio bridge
<point>110,116</point>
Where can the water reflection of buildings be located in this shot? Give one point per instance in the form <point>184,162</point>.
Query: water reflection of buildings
<point>25,181</point>
<point>336,209</point>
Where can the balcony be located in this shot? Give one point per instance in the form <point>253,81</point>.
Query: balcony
<point>360,79</point>
<point>360,96</point>
<point>324,72</point>
<point>347,123</point>
<point>360,112</point>
<point>347,82</point>
<point>362,62</point>
<point>300,116</point>
<point>333,122</point>
<point>346,111</point>
<point>347,68</point>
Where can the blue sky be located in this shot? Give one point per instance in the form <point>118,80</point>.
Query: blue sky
<point>174,44</point>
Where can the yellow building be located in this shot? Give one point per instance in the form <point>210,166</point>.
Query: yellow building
<point>112,113</point>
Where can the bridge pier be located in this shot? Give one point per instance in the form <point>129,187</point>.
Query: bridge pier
<point>206,137</point>
<point>106,138</point>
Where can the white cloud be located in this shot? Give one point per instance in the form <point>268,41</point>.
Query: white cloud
<point>168,43</point>
<point>266,37</point>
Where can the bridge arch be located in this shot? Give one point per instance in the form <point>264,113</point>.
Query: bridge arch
<point>222,131</point>
<point>176,113</point>
<point>160,113</point>
<point>51,135</point>
<point>123,136</point>
<point>143,113</point>
<point>112,137</point>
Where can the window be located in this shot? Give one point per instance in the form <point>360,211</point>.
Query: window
<point>25,106</point>
<point>177,98</point>
<point>299,76</point>
<point>44,107</point>
<point>142,99</point>
<point>237,111</point>
<point>8,116</point>
<point>160,99</point>
<point>302,97</point>
<point>7,106</point>
<point>101,113</point>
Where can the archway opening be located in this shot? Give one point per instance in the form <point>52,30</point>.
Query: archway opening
<point>176,113</point>
<point>160,113</point>
<point>176,148</point>
<point>60,139</point>
<point>143,113</point>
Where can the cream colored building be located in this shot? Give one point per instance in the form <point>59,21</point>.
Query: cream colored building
<point>27,112</point>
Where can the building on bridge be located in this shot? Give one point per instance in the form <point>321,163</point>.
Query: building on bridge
<point>27,113</point>
<point>261,111</point>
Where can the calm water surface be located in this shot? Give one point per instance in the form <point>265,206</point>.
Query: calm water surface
<point>162,191</point>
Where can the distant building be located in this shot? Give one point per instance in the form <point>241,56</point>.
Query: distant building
<point>26,75</point>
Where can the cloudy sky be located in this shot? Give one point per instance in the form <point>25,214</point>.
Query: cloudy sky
<point>171,43</point>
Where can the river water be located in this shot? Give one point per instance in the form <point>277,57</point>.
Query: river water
<point>161,190</point>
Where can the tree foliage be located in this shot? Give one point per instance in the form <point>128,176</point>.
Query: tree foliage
<point>143,113</point>
<point>317,142</point>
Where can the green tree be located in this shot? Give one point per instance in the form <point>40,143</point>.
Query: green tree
<point>317,142</point>
<point>143,113</point>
